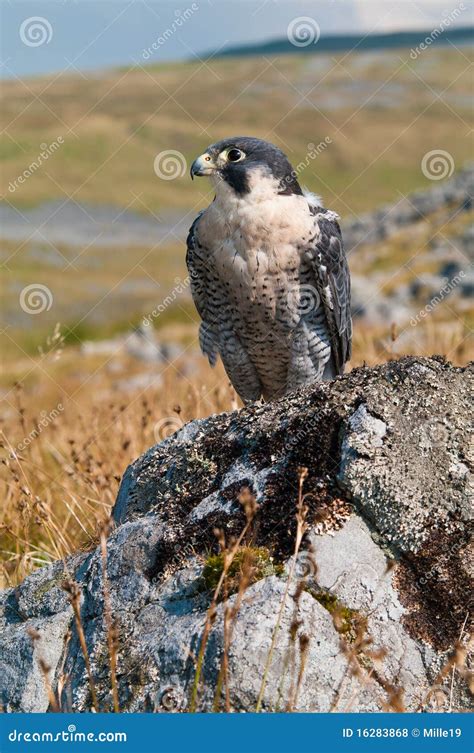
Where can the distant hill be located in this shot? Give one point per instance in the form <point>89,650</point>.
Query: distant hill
<point>361,42</point>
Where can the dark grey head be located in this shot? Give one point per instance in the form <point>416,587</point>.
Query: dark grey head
<point>234,159</point>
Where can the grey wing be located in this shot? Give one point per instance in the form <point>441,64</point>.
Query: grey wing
<point>200,288</point>
<point>331,270</point>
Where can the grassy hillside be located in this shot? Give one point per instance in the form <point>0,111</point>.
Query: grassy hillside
<point>376,115</point>
<point>381,111</point>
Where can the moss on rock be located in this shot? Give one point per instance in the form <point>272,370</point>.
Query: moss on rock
<point>249,565</point>
<point>348,622</point>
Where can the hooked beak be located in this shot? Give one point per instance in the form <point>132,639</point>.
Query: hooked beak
<point>203,165</point>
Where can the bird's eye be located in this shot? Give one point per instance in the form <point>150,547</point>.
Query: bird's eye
<point>235,155</point>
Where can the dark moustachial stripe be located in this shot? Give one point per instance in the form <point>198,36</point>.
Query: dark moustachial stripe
<point>236,177</point>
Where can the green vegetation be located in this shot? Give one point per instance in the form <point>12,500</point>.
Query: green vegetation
<point>249,563</point>
<point>47,586</point>
<point>347,621</point>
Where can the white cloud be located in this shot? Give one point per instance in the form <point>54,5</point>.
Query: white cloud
<point>393,15</point>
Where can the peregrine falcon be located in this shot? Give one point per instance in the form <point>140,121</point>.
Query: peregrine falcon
<point>268,273</point>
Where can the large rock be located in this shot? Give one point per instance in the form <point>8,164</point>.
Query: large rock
<point>455,193</point>
<point>371,614</point>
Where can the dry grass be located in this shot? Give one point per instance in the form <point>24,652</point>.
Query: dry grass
<point>60,480</point>
<point>60,477</point>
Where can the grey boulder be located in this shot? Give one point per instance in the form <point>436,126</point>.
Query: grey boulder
<point>369,614</point>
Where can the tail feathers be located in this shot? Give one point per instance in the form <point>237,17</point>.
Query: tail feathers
<point>207,342</point>
<point>330,371</point>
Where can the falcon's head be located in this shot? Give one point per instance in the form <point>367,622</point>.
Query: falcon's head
<point>243,162</point>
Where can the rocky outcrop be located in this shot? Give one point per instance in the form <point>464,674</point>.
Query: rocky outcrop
<point>448,255</point>
<point>369,613</point>
<point>373,227</point>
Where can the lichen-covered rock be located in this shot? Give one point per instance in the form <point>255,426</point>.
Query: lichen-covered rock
<point>371,614</point>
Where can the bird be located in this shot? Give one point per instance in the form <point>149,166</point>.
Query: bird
<point>268,273</point>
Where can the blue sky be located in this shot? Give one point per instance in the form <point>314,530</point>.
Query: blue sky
<point>93,34</point>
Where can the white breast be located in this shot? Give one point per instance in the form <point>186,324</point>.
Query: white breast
<point>255,241</point>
